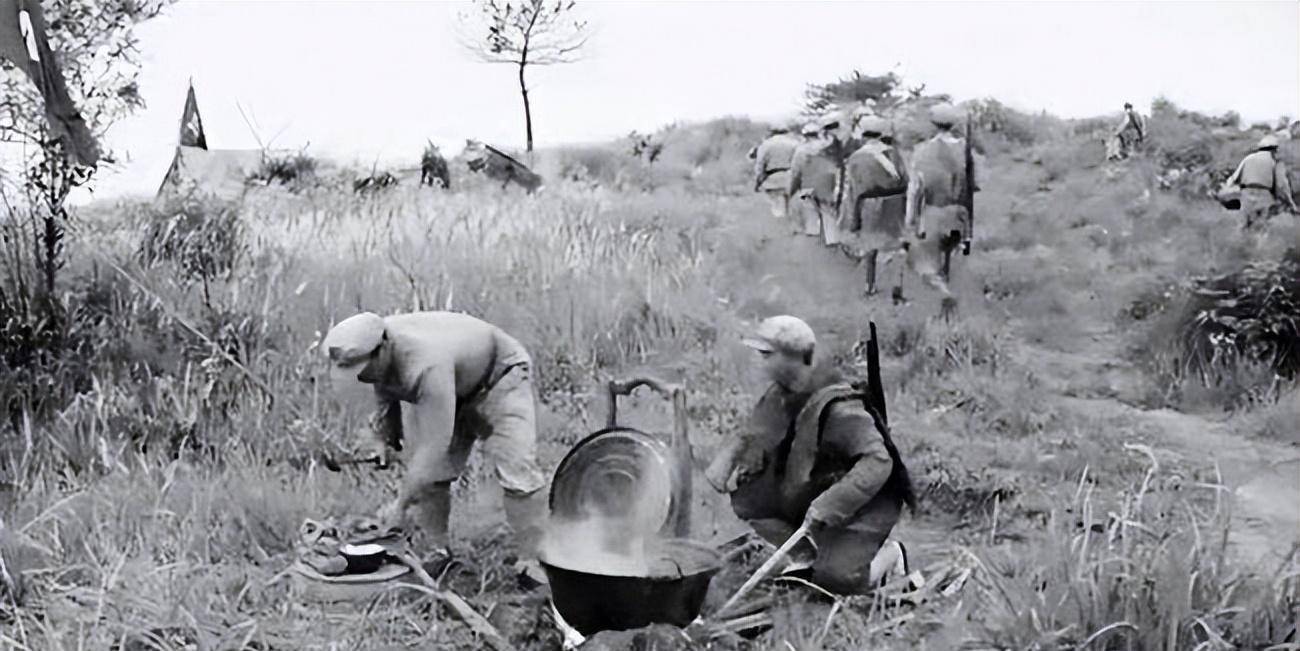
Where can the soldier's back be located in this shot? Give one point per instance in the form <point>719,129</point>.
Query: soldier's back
<point>941,164</point>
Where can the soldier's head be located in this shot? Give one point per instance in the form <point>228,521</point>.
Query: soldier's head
<point>830,125</point>
<point>1268,143</point>
<point>945,116</point>
<point>1128,107</point>
<point>873,126</point>
<point>357,348</point>
<point>786,345</point>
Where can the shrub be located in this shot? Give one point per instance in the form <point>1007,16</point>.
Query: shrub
<point>1226,324</point>
<point>294,170</point>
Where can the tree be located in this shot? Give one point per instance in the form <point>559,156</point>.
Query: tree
<point>95,45</point>
<point>853,89</point>
<point>524,33</point>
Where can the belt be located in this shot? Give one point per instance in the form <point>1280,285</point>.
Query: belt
<point>1257,187</point>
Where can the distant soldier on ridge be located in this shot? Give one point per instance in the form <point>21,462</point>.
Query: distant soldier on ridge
<point>1128,136</point>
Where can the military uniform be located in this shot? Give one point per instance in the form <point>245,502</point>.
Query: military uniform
<point>462,380</point>
<point>820,454</point>
<point>815,174</point>
<point>772,160</point>
<point>1263,181</point>
<point>936,189</point>
<point>1130,133</point>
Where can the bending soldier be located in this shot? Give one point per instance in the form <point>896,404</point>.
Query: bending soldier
<point>462,380</point>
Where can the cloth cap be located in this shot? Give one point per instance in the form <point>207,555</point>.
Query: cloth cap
<point>810,129</point>
<point>1268,142</point>
<point>831,121</point>
<point>945,114</point>
<point>354,338</point>
<point>784,333</point>
<point>873,124</point>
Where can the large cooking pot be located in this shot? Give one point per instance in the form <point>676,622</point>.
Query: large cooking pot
<point>672,593</point>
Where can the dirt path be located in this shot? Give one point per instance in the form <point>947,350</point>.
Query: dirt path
<point>1263,476</point>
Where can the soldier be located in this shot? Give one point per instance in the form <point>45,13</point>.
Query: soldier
<point>462,380</point>
<point>936,191</point>
<point>816,453</point>
<point>874,202</point>
<point>1130,133</point>
<point>1263,181</point>
<point>772,160</point>
<point>814,178</point>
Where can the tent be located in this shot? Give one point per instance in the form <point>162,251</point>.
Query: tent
<point>219,172</point>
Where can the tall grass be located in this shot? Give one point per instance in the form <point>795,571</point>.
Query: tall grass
<point>156,494</point>
<point>1150,570</point>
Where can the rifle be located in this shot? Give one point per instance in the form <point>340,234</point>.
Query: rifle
<point>874,385</point>
<point>969,193</point>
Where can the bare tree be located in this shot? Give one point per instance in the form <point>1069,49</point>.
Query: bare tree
<point>524,33</point>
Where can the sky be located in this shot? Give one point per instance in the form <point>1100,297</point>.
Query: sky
<point>371,81</point>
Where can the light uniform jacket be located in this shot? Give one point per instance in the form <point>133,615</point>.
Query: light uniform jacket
<point>811,168</point>
<point>1262,171</point>
<point>439,384</point>
<point>772,162</point>
<point>874,170</point>
<point>937,178</point>
<point>1133,125</point>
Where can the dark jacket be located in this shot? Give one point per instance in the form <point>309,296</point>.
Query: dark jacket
<point>823,451</point>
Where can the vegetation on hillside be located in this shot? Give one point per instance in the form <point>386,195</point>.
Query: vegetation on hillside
<point>154,478</point>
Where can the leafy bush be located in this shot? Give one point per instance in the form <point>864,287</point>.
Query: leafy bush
<point>293,170</point>
<point>1249,316</point>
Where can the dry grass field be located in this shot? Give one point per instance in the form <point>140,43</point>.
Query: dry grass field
<point>1099,495</point>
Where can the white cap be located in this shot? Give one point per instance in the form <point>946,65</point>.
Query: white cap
<point>784,333</point>
<point>354,338</point>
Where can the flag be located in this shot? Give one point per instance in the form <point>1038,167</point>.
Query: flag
<point>191,124</point>
<point>23,41</point>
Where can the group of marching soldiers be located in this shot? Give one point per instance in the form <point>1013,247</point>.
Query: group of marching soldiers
<point>845,180</point>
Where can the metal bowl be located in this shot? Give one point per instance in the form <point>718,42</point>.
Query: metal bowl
<point>592,602</point>
<point>363,559</point>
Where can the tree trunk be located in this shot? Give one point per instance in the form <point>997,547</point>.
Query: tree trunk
<point>528,113</point>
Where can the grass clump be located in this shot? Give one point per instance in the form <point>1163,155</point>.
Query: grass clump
<point>1153,571</point>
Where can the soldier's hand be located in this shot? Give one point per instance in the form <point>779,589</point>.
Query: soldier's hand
<point>719,474</point>
<point>367,444</point>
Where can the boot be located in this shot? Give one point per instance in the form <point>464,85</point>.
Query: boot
<point>871,271</point>
<point>431,512</point>
<point>526,514</point>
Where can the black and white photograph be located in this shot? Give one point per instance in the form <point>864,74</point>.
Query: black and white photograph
<point>649,325</point>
